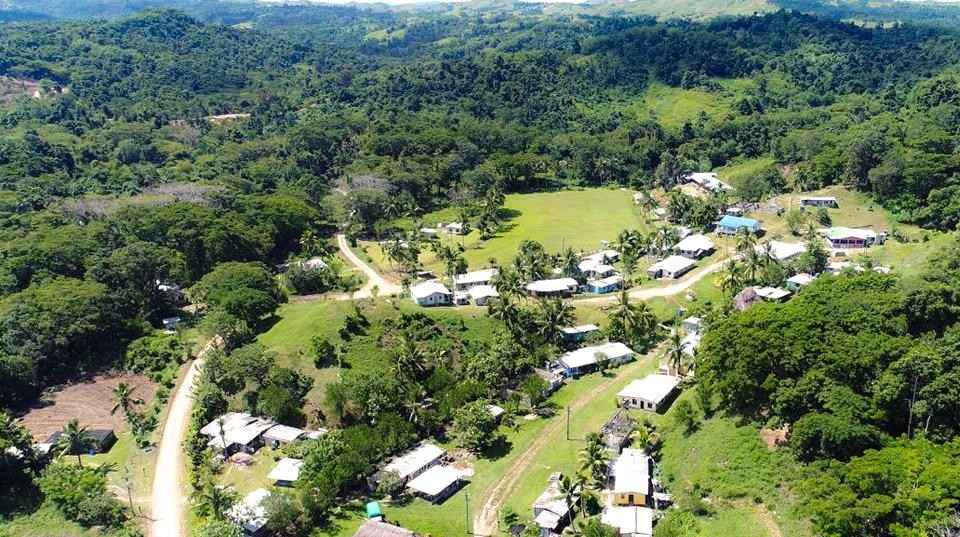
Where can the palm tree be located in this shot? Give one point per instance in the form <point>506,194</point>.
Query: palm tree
<point>453,262</point>
<point>633,319</point>
<point>645,437</point>
<point>214,500</point>
<point>594,461</point>
<point>730,278</point>
<point>509,282</point>
<point>753,265</point>
<point>74,439</point>
<point>746,240</point>
<point>569,262</point>
<point>568,491</point>
<point>675,353</point>
<point>410,356</point>
<point>123,395</point>
<point>552,316</point>
<point>628,263</point>
<point>506,310</point>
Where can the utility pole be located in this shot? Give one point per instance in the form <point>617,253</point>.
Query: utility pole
<point>466,508</point>
<point>568,423</point>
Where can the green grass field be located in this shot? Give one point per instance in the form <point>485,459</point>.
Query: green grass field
<point>672,107</point>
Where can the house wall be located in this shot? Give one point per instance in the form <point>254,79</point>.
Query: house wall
<point>629,498</point>
<point>636,402</point>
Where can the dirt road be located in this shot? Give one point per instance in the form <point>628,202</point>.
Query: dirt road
<point>655,292</point>
<point>487,520</point>
<point>168,503</point>
<point>374,278</point>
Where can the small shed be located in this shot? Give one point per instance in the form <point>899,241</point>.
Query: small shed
<point>799,280</point>
<point>279,435</point>
<point>436,484</point>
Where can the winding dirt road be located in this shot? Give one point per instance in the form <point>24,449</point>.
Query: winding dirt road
<point>669,290</point>
<point>374,278</point>
<point>168,503</point>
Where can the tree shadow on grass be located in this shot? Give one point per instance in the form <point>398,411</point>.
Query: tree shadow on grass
<point>499,450</point>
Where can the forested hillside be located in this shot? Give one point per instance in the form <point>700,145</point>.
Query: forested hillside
<point>163,149</point>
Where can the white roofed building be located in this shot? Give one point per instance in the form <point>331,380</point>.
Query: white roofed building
<point>432,293</point>
<point>649,393</point>
<point>251,514</point>
<point>436,484</point>
<point>412,463</point>
<point>481,294</point>
<point>578,333</point>
<point>554,287</point>
<point>694,246</point>
<point>236,431</point>
<point>774,294</point>
<point>286,472</point>
<point>781,251</point>
<point>584,360</point>
<point>672,267</point>
<point>799,280</point>
<point>463,282</point>
<point>628,478</point>
<point>551,511</point>
<point>629,521</point>
<point>278,435</point>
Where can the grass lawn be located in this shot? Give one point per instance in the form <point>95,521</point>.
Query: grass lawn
<point>672,107</point>
<point>732,173</point>
<point>746,483</point>
<point>44,522</point>
<point>575,218</point>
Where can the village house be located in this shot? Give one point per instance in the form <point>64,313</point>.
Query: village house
<point>101,440</point>
<point>251,514</point>
<point>555,287</point>
<point>694,246</point>
<point>481,294</point>
<point>551,512</point>
<point>649,393</point>
<point>731,225</point>
<point>845,237</point>
<point>453,228</point>
<point>431,293</point>
<point>772,294</point>
<point>707,181</point>
<point>464,282</point>
<point>824,201</point>
<point>411,464</point>
<point>599,265</point>
<point>584,360</point>
<point>781,251</point>
<point>280,435</point>
<point>632,521</point>
<point>798,280</point>
<point>286,472</point>
<point>578,333</point>
<point>554,379</point>
<point>606,285</point>
<point>672,267</point>
<point>236,431</point>
<point>628,478</point>
<point>436,484</point>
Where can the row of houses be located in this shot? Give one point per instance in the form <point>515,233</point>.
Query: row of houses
<point>421,470</point>
<point>241,432</point>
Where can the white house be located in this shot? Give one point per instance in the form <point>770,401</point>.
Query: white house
<point>799,280</point>
<point>554,287</point>
<point>432,293</point>
<point>278,435</point>
<point>671,267</point>
<point>781,251</point>
<point>286,472</point>
<point>629,478</point>
<point>819,201</point>
<point>251,514</point>
<point>631,521</point>
<point>464,282</point>
<point>236,431</point>
<point>481,294</point>
<point>694,246</point>
<point>583,360</point>
<point>707,181</point>
<point>648,393</point>
<point>436,483</point>
<point>413,463</point>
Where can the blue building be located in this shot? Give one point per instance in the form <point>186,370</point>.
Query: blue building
<point>605,285</point>
<point>578,333</point>
<point>731,225</point>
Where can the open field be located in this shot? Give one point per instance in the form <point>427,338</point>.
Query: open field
<point>672,107</point>
<point>88,400</point>
<point>732,173</point>
<point>570,218</point>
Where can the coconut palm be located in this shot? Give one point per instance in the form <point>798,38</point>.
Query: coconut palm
<point>123,396</point>
<point>552,316</point>
<point>410,355</point>
<point>453,262</point>
<point>753,264</point>
<point>568,492</point>
<point>594,462</point>
<point>631,319</point>
<point>506,310</point>
<point>675,354</point>
<point>628,263</point>
<point>569,262</point>
<point>730,278</point>
<point>214,500</point>
<point>509,282</point>
<point>74,439</point>
<point>645,437</point>
<point>746,240</point>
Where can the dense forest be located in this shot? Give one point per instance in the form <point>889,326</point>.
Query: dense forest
<point>123,172</point>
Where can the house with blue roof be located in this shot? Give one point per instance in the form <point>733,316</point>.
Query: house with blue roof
<point>731,225</point>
